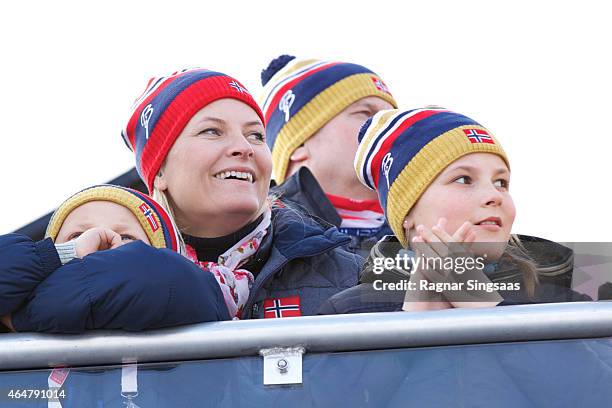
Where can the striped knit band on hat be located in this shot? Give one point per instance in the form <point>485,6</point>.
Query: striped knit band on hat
<point>401,152</point>
<point>161,113</point>
<point>303,95</point>
<point>153,219</point>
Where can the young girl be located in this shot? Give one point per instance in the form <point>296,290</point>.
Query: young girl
<point>444,182</point>
<point>70,283</point>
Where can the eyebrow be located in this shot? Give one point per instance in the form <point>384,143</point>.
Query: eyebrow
<point>212,119</point>
<point>82,226</point>
<point>366,105</point>
<point>221,121</point>
<point>87,225</point>
<point>500,170</point>
<point>121,227</point>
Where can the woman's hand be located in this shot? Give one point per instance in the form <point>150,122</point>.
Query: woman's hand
<point>96,239</point>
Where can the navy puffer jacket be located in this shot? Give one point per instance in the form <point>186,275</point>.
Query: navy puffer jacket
<point>303,258</point>
<point>23,265</point>
<point>133,287</point>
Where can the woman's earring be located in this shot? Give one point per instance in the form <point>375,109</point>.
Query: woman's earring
<point>159,183</point>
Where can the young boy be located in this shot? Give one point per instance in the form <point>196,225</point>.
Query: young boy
<point>142,282</point>
<point>313,111</point>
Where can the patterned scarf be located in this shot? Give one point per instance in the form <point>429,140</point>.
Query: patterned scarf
<point>235,283</point>
<point>362,218</point>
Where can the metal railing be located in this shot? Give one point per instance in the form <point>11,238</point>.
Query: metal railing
<point>372,331</point>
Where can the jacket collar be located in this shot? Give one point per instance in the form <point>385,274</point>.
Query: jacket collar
<point>303,188</point>
<point>291,235</point>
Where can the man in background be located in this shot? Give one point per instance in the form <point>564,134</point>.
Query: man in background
<point>314,111</point>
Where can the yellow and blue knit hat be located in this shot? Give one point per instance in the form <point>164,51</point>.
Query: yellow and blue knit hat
<point>152,217</point>
<point>401,152</point>
<point>301,95</point>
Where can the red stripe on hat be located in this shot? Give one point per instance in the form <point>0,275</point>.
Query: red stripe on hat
<point>131,126</point>
<point>166,220</point>
<point>355,205</point>
<point>161,212</point>
<point>279,94</point>
<point>386,146</point>
<point>178,113</point>
<point>353,217</point>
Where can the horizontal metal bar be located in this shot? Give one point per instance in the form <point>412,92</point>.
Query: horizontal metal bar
<point>371,331</point>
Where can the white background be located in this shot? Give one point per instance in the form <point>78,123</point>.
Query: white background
<point>536,73</point>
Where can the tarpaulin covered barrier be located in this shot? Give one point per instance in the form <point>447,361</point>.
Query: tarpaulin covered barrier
<point>566,373</point>
<point>488,366</point>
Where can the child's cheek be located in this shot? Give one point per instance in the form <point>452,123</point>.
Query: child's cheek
<point>455,216</point>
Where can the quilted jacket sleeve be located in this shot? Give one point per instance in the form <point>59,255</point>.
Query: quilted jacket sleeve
<point>23,265</point>
<point>133,287</point>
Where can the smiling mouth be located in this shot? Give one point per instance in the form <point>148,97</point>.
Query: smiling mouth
<point>235,175</point>
<point>492,221</point>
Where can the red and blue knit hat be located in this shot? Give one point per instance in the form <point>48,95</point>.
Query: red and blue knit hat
<point>301,95</point>
<point>161,113</point>
<point>401,152</point>
<point>152,217</point>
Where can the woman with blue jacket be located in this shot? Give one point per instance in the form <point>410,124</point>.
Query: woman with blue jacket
<point>199,141</point>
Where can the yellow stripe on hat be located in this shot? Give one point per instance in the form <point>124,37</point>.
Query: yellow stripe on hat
<point>288,70</point>
<point>425,166</point>
<point>291,67</point>
<point>380,120</point>
<point>112,194</point>
<point>317,112</point>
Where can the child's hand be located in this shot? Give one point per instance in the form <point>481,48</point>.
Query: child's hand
<point>439,240</point>
<point>96,239</point>
<point>418,300</point>
<point>438,243</point>
<point>437,246</point>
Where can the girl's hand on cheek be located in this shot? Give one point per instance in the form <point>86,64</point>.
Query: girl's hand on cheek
<point>465,233</point>
<point>438,245</point>
<point>429,243</point>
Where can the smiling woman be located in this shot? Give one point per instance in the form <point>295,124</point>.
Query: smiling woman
<point>219,164</point>
<point>200,148</point>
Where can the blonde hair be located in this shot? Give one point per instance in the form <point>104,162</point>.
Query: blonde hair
<point>516,254</point>
<point>162,199</point>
